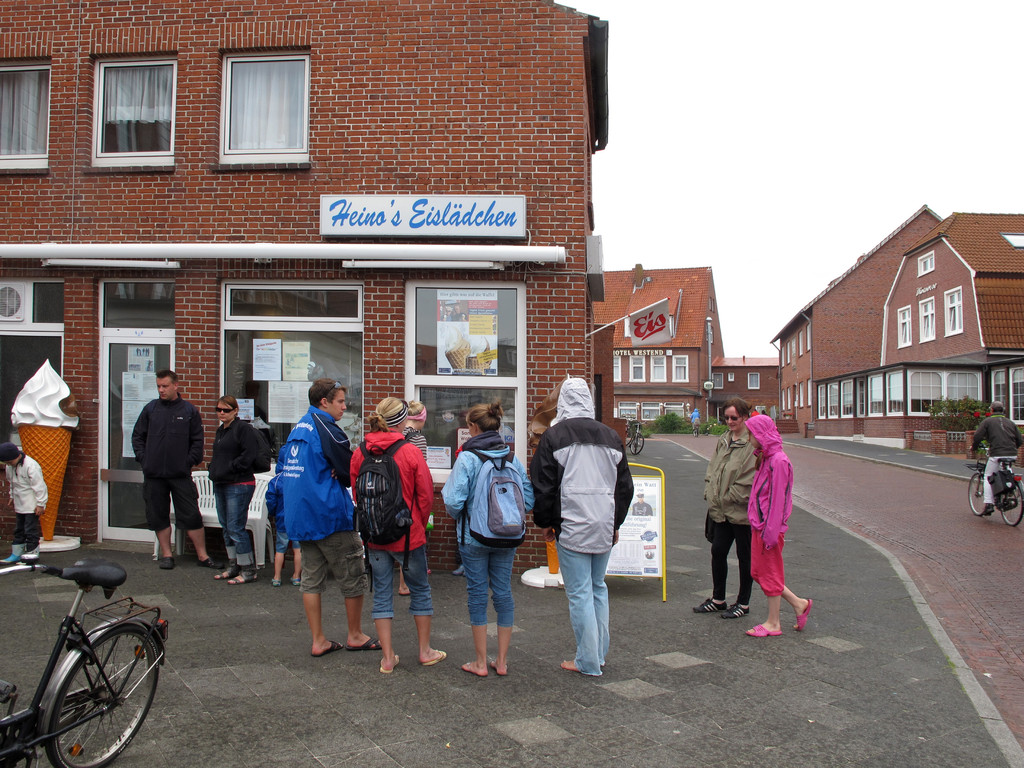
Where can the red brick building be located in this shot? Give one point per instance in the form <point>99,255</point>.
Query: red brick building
<point>649,381</point>
<point>841,329</point>
<point>755,379</point>
<point>257,195</point>
<point>953,328</point>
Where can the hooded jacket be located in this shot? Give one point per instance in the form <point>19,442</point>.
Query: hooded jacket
<point>728,479</point>
<point>28,487</point>
<point>581,481</point>
<point>771,497</point>
<point>316,504</point>
<point>458,490</point>
<point>417,485</point>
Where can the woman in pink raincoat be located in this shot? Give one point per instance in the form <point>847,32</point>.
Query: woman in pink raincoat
<point>771,501</point>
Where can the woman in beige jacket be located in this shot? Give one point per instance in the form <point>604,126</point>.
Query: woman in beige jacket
<point>727,490</point>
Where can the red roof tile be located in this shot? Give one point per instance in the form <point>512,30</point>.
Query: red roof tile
<point>1001,311</point>
<point>687,291</point>
<point>977,237</point>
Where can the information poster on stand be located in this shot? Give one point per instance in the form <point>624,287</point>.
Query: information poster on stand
<point>640,551</point>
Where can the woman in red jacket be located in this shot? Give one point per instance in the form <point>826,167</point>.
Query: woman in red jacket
<point>418,492</point>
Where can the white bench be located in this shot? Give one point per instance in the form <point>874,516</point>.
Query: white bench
<point>257,522</point>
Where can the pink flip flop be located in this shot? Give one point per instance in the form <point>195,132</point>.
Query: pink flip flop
<point>801,620</point>
<point>760,631</point>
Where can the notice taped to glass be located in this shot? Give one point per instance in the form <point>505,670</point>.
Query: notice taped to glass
<point>467,333</point>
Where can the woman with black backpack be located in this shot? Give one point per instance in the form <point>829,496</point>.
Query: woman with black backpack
<point>235,449</point>
<point>487,555</point>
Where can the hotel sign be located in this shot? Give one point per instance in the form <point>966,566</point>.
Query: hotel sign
<point>477,216</point>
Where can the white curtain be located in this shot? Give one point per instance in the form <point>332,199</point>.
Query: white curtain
<point>268,105</point>
<point>137,108</point>
<point>24,111</point>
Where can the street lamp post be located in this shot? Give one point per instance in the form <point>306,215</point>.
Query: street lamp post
<point>711,378</point>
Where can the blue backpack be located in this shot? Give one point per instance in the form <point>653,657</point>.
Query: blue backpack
<point>497,516</point>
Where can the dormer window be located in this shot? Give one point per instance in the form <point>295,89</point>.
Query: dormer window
<point>926,263</point>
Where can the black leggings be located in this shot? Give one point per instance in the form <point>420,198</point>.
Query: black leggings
<point>725,534</point>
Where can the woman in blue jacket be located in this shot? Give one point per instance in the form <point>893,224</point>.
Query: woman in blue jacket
<point>485,566</point>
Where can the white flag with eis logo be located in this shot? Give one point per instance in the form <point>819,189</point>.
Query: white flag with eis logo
<point>650,325</point>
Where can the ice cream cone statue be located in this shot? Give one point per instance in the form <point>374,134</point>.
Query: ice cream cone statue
<point>45,413</point>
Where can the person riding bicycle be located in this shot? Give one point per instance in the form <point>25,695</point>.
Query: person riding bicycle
<point>1003,440</point>
<point>695,420</point>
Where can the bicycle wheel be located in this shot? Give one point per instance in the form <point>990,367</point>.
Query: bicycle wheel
<point>976,494</point>
<point>1011,506</point>
<point>130,660</point>
<point>638,444</point>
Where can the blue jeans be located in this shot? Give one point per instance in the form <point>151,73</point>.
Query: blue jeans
<point>583,576</point>
<point>281,540</point>
<point>382,567</point>
<point>489,566</point>
<point>233,512</point>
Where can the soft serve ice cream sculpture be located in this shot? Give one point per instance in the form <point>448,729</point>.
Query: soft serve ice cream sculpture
<point>45,413</point>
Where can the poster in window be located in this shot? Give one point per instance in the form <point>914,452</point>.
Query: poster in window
<point>467,332</point>
<point>266,359</point>
<point>137,389</point>
<point>296,361</point>
<point>142,359</point>
<point>288,401</point>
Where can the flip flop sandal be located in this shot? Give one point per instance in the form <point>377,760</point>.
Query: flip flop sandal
<point>801,620</point>
<point>760,631</point>
<point>275,582</point>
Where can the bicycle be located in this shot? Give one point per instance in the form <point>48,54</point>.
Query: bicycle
<point>92,699</point>
<point>1010,503</point>
<point>634,437</point>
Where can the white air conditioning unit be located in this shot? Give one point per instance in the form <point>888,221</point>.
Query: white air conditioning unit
<point>12,302</point>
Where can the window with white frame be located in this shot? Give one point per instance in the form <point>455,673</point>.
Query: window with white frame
<point>732,376</point>
<point>926,310</point>
<point>822,400</point>
<point>800,395</point>
<point>265,109</point>
<point>846,393</point>
<point>454,363</point>
<point>658,371</point>
<point>905,328</point>
<point>876,396</point>
<point>810,392</point>
<point>1017,394</point>
<point>316,327</point>
<point>833,400</point>
<point>801,347</point>
<point>616,369</point>
<point>680,367</point>
<point>999,386</point>
<point>628,411</point>
<point>31,332</point>
<point>650,411</point>
<point>785,354</point>
<point>808,337</point>
<point>925,389</point>
<point>926,263</point>
<point>753,381</point>
<point>677,408</point>
<point>894,393</point>
<point>954,311</point>
<point>24,116</point>
<point>134,113</point>
<point>860,387</point>
<point>962,384</point>
<point>716,379</point>
<point>636,368</point>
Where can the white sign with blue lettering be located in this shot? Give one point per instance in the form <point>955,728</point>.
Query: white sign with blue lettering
<point>423,216</point>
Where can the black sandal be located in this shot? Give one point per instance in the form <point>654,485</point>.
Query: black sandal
<point>233,570</point>
<point>247,576</point>
<point>736,611</point>
<point>710,606</point>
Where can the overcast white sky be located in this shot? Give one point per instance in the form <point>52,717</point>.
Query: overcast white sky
<point>778,141</point>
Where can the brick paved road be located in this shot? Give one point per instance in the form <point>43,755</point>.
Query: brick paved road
<point>967,568</point>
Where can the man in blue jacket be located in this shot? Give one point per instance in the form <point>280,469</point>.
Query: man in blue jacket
<point>168,442</point>
<point>318,513</point>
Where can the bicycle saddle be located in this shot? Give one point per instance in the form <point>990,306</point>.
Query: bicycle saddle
<point>95,572</point>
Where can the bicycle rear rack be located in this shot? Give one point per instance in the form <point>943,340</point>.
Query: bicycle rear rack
<point>120,611</point>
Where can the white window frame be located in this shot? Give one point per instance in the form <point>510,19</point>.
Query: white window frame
<point>801,345</point>
<point>822,402</point>
<point>998,386</point>
<point>658,370</point>
<point>680,367</point>
<point>800,394</point>
<point>894,386</point>
<point>904,327</point>
<point>114,159</point>
<point>34,159</point>
<point>926,315</point>
<point>1016,391</point>
<point>918,375</point>
<point>634,361</point>
<point>616,369</point>
<point>876,395</point>
<point>753,380</point>
<point>732,376</point>
<point>298,154</point>
<point>414,381</point>
<point>808,337</point>
<point>716,379</point>
<point>926,263</point>
<point>954,303</point>
<point>846,398</point>
<point>833,400</point>
<point>810,393</point>
<point>629,410</point>
<point>646,410</point>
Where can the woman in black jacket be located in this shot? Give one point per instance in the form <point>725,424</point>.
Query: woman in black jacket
<point>235,448</point>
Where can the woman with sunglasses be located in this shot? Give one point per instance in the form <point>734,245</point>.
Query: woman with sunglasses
<point>235,448</point>
<point>727,485</point>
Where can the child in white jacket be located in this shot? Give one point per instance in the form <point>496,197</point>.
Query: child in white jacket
<point>29,495</point>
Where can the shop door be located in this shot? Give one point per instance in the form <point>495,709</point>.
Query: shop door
<point>129,368</point>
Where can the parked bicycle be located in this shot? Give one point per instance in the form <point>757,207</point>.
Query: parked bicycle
<point>99,682</point>
<point>634,437</point>
<point>1008,502</point>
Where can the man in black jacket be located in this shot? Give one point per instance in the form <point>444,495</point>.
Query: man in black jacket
<point>168,442</point>
<point>1003,440</point>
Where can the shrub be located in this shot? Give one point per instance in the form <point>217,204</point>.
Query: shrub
<point>958,415</point>
<point>668,424</point>
<point>714,428</point>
